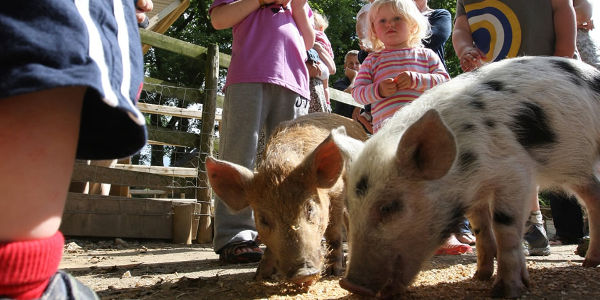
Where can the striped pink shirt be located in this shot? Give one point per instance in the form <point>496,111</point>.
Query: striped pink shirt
<point>424,66</point>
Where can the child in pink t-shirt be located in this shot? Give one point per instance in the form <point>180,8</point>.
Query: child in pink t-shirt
<point>267,83</point>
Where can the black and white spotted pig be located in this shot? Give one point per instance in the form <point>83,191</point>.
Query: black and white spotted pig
<point>477,145</point>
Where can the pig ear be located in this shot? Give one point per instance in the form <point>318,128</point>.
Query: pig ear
<point>326,163</point>
<point>229,181</point>
<point>427,148</point>
<point>348,146</point>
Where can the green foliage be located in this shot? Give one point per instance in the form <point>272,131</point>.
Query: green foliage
<point>194,26</point>
<point>342,27</point>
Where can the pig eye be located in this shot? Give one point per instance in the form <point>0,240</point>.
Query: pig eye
<point>388,209</point>
<point>310,211</point>
<point>263,221</point>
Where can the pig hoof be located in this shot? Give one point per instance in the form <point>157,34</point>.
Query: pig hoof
<point>334,270</point>
<point>483,275</point>
<point>590,263</point>
<point>505,290</point>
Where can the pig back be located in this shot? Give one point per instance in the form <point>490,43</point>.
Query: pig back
<point>304,133</point>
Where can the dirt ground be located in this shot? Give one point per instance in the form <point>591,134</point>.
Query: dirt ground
<point>144,269</point>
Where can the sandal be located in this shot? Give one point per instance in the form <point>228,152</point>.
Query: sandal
<point>232,253</point>
<point>454,250</point>
<point>466,238</point>
<point>453,247</point>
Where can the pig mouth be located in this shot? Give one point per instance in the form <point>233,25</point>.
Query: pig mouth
<point>394,284</point>
<point>304,276</point>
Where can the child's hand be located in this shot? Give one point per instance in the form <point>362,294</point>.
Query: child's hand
<point>387,87</point>
<point>471,59</point>
<point>403,80</point>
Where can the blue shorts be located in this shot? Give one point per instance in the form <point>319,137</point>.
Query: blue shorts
<point>60,43</point>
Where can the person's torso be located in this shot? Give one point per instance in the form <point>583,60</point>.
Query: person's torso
<point>511,28</point>
<point>268,47</point>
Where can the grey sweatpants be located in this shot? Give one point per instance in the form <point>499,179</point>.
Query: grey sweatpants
<point>247,108</point>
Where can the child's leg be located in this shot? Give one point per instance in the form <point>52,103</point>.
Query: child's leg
<point>38,140</point>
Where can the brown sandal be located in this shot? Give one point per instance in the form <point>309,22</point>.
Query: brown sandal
<point>228,254</point>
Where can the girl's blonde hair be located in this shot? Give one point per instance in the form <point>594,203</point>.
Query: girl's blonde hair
<point>417,23</point>
<point>321,22</point>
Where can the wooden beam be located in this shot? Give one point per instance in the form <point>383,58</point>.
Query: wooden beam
<point>179,47</point>
<point>154,20</point>
<point>167,20</point>
<point>113,216</point>
<point>168,89</point>
<point>83,172</point>
<point>173,137</point>
<point>165,171</point>
<point>343,97</point>
<point>172,111</point>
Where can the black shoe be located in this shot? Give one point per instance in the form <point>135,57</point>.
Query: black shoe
<point>535,241</point>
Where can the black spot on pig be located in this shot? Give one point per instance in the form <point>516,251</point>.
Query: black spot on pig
<point>569,68</point>
<point>594,83</point>
<point>361,186</point>
<point>477,104</point>
<point>455,218</point>
<point>530,126</point>
<point>490,123</point>
<point>467,127</point>
<point>494,85</point>
<point>503,218</point>
<point>466,161</point>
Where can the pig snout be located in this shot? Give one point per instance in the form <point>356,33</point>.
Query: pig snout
<point>383,283</point>
<point>348,285</point>
<point>305,273</point>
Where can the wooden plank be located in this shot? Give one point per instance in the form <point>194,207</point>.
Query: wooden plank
<point>186,94</point>
<point>167,20</point>
<point>173,137</point>
<point>343,97</point>
<point>83,172</point>
<point>179,47</point>
<point>154,20</point>
<point>166,171</point>
<point>112,216</point>
<point>173,111</point>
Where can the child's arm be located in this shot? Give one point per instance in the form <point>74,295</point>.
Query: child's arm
<point>227,15</point>
<point>325,58</point>
<point>366,91</point>
<point>423,81</point>
<point>300,16</point>
<point>565,28</point>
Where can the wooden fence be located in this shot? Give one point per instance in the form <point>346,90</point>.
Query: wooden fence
<point>163,215</point>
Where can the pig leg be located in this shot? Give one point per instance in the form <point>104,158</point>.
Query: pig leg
<point>480,219</point>
<point>333,236</point>
<point>590,195</point>
<point>266,268</point>
<point>510,207</point>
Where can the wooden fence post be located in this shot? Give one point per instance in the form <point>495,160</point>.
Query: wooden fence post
<point>206,142</point>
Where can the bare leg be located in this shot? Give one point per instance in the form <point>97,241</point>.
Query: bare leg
<point>38,140</point>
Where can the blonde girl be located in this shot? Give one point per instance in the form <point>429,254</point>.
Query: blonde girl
<point>400,68</point>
